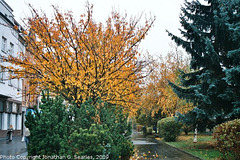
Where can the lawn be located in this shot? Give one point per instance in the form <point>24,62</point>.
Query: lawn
<point>204,148</point>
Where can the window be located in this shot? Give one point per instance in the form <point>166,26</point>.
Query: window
<point>1,74</point>
<point>8,120</point>
<point>14,108</point>
<point>19,108</point>
<point>1,121</point>
<point>9,107</point>
<point>16,122</point>
<point>1,106</point>
<point>4,44</point>
<point>11,50</point>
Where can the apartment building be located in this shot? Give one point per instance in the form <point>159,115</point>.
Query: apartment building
<point>12,112</point>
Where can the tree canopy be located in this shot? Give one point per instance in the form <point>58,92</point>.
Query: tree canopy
<point>211,36</point>
<point>83,59</point>
<point>156,93</point>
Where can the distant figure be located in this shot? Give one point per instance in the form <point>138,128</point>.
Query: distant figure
<point>155,129</point>
<point>144,130</point>
<point>10,133</point>
<point>27,136</point>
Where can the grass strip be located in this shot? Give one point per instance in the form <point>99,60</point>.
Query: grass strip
<point>203,149</point>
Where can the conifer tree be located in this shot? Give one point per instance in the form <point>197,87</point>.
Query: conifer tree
<point>232,23</point>
<point>210,34</point>
<point>72,132</point>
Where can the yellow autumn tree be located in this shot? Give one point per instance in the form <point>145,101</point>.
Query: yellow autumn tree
<point>83,59</point>
<point>157,94</point>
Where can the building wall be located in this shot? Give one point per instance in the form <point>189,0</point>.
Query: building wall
<point>11,110</point>
<point>6,10</point>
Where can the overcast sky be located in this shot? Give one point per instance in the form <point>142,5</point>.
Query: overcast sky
<point>156,42</point>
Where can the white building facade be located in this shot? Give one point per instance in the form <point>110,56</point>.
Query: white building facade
<point>11,42</point>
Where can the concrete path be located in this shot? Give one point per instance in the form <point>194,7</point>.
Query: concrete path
<point>15,149</point>
<point>149,148</point>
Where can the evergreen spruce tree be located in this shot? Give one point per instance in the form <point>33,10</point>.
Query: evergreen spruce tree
<point>232,22</point>
<point>210,34</point>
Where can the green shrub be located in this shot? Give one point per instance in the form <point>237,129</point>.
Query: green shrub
<point>149,130</point>
<point>158,126</point>
<point>49,128</point>
<point>93,129</point>
<point>169,129</point>
<point>227,136</point>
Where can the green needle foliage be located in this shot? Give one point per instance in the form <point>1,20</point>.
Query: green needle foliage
<point>211,35</point>
<point>97,130</point>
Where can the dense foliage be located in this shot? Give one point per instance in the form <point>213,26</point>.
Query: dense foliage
<point>227,136</point>
<point>197,118</point>
<point>211,36</point>
<point>84,58</point>
<point>149,130</point>
<point>169,128</point>
<point>93,129</point>
<point>187,128</point>
<point>148,117</point>
<point>156,93</point>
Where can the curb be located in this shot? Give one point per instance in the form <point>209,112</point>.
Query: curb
<point>179,149</point>
<point>184,151</point>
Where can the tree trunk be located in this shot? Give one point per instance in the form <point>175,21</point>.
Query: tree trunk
<point>195,135</point>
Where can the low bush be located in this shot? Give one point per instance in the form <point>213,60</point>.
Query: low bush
<point>158,126</point>
<point>149,130</point>
<point>169,129</point>
<point>227,136</point>
<point>68,131</point>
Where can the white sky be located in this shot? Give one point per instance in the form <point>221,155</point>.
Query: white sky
<point>157,40</point>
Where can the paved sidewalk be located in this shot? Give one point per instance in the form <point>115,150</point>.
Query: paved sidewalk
<point>15,149</point>
<point>147,147</point>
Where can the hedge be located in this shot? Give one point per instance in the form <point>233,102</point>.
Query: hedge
<point>227,136</point>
